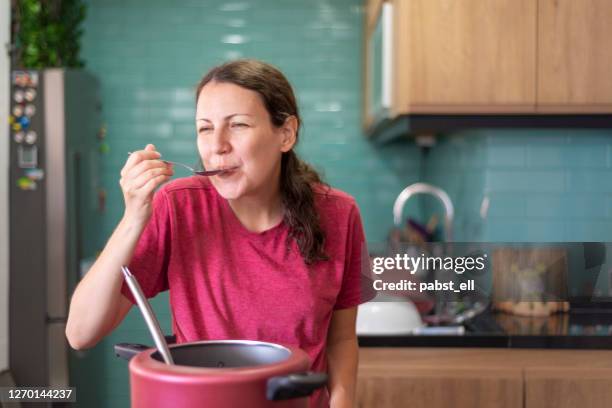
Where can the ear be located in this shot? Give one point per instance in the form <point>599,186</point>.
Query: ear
<point>289,133</point>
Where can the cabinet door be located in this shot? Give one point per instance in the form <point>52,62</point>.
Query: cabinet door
<point>378,67</point>
<point>574,56</point>
<point>464,56</point>
<point>372,8</point>
<point>568,387</point>
<point>385,387</point>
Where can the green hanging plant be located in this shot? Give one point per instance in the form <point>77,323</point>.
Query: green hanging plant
<point>47,33</point>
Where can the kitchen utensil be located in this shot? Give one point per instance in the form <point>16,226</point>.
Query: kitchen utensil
<point>149,316</point>
<point>439,331</point>
<point>458,318</point>
<point>476,309</point>
<point>221,374</point>
<point>199,172</point>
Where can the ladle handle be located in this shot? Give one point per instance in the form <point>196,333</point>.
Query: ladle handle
<point>149,316</point>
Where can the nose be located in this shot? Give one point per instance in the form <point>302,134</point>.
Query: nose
<point>220,143</point>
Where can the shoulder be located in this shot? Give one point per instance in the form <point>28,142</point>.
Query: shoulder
<point>340,219</point>
<point>334,202</point>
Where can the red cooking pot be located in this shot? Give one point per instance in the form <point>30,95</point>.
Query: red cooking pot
<point>220,374</point>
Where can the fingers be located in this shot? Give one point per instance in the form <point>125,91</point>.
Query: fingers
<point>149,153</point>
<point>140,174</point>
<point>142,167</point>
<point>141,190</point>
<point>152,184</point>
<point>150,173</point>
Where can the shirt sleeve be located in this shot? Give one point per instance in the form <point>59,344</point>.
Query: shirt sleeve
<point>150,260</point>
<point>357,279</point>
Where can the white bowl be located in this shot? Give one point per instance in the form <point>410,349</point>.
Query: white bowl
<point>387,316</point>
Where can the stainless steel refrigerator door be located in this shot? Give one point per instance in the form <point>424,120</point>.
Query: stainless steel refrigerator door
<point>56,156</point>
<point>50,204</point>
<point>27,293</point>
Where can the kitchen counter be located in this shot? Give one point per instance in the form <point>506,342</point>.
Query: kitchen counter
<point>574,330</point>
<point>484,378</point>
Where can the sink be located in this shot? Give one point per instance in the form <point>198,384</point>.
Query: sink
<point>387,316</point>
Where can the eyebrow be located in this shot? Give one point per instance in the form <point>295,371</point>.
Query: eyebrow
<point>227,117</point>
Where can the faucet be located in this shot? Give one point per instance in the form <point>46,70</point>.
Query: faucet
<point>424,188</point>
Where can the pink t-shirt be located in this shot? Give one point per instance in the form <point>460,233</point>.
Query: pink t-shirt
<point>227,282</point>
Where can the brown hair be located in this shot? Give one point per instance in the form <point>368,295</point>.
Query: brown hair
<point>297,177</point>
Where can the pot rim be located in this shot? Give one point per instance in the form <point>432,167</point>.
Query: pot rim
<point>144,365</point>
<point>230,341</point>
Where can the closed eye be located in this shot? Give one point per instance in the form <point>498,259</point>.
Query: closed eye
<point>239,125</point>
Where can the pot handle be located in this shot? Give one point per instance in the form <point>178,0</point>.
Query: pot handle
<point>129,350</point>
<point>294,385</point>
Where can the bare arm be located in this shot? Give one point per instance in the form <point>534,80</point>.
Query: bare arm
<point>97,305</point>
<point>342,355</point>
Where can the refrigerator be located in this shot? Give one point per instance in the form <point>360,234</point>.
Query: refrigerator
<point>55,207</point>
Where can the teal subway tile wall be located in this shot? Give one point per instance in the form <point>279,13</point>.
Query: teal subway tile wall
<point>149,55</point>
<point>526,185</point>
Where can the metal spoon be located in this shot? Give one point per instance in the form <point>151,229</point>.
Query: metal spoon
<point>149,316</point>
<point>199,172</point>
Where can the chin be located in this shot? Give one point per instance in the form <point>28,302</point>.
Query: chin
<point>229,191</point>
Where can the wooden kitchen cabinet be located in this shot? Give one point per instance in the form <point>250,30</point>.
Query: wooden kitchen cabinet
<point>374,65</point>
<point>477,57</point>
<point>469,56</point>
<point>474,377</point>
<point>568,388</point>
<point>574,56</point>
<point>371,12</point>
<point>422,388</point>
<point>464,56</point>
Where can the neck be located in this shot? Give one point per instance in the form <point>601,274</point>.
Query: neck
<point>261,211</point>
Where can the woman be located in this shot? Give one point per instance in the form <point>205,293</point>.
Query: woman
<point>263,251</point>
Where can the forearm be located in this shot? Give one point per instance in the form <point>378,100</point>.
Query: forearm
<point>94,304</point>
<point>342,358</point>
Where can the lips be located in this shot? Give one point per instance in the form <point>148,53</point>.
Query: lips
<point>224,167</point>
<point>220,166</point>
<point>228,171</point>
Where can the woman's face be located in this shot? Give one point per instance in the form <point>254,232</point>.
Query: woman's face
<point>234,129</point>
